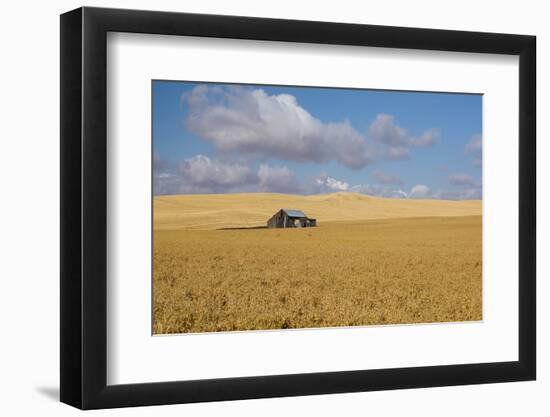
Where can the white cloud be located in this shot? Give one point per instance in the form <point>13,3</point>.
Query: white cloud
<point>203,175</point>
<point>379,190</point>
<point>386,178</point>
<point>428,138</point>
<point>385,131</point>
<point>277,179</point>
<point>325,184</point>
<point>164,180</point>
<point>463,180</point>
<point>253,124</point>
<point>474,193</point>
<point>474,147</point>
<point>399,194</point>
<point>471,189</point>
<point>420,191</point>
<point>395,152</point>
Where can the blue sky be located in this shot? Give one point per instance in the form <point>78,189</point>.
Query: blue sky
<point>223,138</point>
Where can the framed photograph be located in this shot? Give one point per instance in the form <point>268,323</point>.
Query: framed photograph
<point>257,208</point>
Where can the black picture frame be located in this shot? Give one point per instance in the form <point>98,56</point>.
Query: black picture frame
<point>84,207</point>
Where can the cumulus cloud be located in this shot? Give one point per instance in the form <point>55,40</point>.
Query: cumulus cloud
<point>470,188</point>
<point>277,179</point>
<point>395,152</point>
<point>385,131</point>
<point>204,175</point>
<point>325,184</point>
<point>463,180</point>
<point>463,186</point>
<point>386,178</point>
<point>474,147</point>
<point>379,190</point>
<point>428,138</point>
<point>251,123</point>
<point>397,139</point>
<point>201,174</point>
<point>164,180</point>
<point>420,191</point>
<point>474,193</point>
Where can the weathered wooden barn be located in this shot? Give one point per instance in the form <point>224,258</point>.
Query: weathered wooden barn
<point>290,218</point>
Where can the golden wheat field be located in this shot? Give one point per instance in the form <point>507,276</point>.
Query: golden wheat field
<point>370,261</point>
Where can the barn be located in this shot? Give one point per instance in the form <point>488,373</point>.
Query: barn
<point>290,218</point>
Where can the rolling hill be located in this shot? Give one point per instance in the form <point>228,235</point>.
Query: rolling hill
<point>217,211</point>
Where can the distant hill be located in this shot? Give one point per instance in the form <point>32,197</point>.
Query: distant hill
<point>216,211</point>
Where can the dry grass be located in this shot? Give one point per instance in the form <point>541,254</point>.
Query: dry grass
<point>216,211</point>
<point>358,272</point>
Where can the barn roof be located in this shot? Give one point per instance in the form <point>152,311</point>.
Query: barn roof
<point>294,213</point>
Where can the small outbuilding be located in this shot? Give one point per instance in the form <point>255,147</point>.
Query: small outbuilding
<point>290,218</point>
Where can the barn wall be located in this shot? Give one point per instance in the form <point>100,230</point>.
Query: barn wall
<point>282,220</point>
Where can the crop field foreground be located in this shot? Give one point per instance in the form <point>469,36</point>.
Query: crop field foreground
<point>358,271</point>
